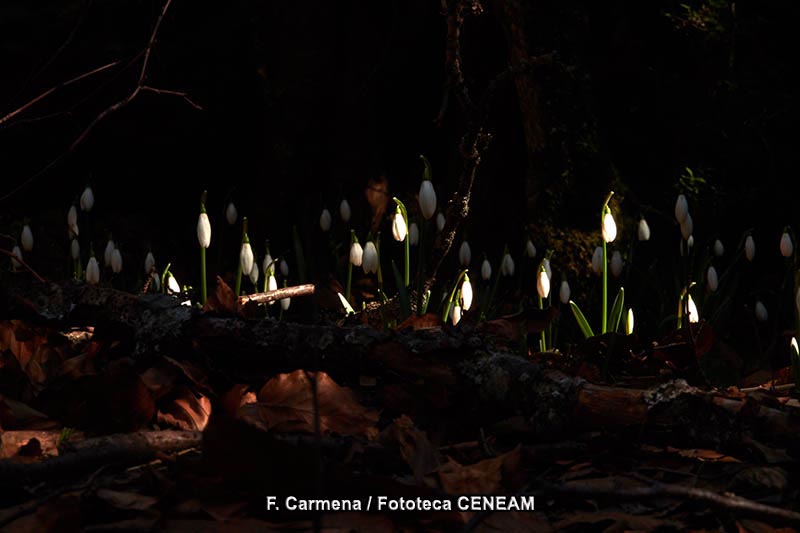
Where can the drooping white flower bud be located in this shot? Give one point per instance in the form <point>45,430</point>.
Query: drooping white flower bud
<point>173,287</point>
<point>719,249</point>
<point>231,214</point>
<point>75,249</point>
<point>486,270</point>
<point>694,316</point>
<point>597,261</point>
<point>267,265</point>
<point>427,199</point>
<point>609,228</point>
<point>616,264</point>
<point>272,285</point>
<point>794,347</point>
<point>629,322</point>
<point>149,262</point>
<point>564,292</point>
<point>108,252</point>
<point>26,238</point>
<point>413,234</point>
<point>464,254</point>
<point>440,220</point>
<point>87,199</point>
<point>542,284</point>
<point>17,254</point>
<point>369,260</point>
<point>344,210</point>
<point>116,261</point>
<point>466,294</point>
<point>246,258</point>
<point>156,281</point>
<point>749,248</point>
<point>687,227</point>
<point>455,314</point>
<point>203,230</point>
<point>690,242</point>
<point>72,221</point>
<point>325,220</point>
<point>254,273</point>
<point>507,265</point>
<point>681,209</point>
<point>92,271</point>
<point>284,266</point>
<point>787,246</point>
<point>712,280</point>
<point>530,249</point>
<point>356,254</point>
<point>644,230</point>
<point>399,230</point>
<point>761,312</point>
<point>285,303</point>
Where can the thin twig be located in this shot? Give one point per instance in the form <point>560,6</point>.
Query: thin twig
<point>23,264</point>
<point>278,294</point>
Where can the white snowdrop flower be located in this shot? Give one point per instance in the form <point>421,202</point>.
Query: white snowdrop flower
<point>203,230</point>
<point>325,220</point>
<point>547,268</point>
<point>750,248</point>
<point>761,312</point>
<point>116,261</point>
<point>231,214</point>
<point>92,271</point>
<point>75,249</point>
<point>87,199</point>
<point>26,238</point>
<point>644,230</point>
<point>466,294</point>
<point>564,292</point>
<point>530,249</point>
<point>369,260</point>
<point>399,229</point>
<point>440,220</point>
<point>267,265</point>
<point>254,273</point>
<point>17,254</point>
<point>356,254</point>
<point>616,264</point>
<point>507,265</point>
<point>787,247</point>
<point>427,199</point>
<point>464,254</point>
<point>794,347</point>
<point>681,209</point>
<point>712,280</point>
<point>173,287</point>
<point>413,234</point>
<point>272,285</point>
<point>285,303</point>
<point>719,249</point>
<point>455,314</point>
<point>344,210</point>
<point>542,284</point>
<point>690,242</point>
<point>629,322</point>
<point>687,227</point>
<point>284,267</point>
<point>108,252</point>
<point>597,260</point>
<point>486,270</point>
<point>609,228</point>
<point>149,262</point>
<point>72,221</point>
<point>694,316</point>
<point>246,258</point>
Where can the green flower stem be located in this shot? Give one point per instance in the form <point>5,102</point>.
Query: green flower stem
<point>349,266</point>
<point>543,340</point>
<point>245,239</point>
<point>604,317</point>
<point>461,276</point>
<point>164,278</point>
<point>421,305</point>
<point>402,207</point>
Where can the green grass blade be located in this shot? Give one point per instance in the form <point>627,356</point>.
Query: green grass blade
<point>586,329</point>
<point>402,293</point>
<point>347,307</point>
<point>616,310</point>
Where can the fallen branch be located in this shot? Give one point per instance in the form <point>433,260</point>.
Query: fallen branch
<point>278,294</point>
<point>23,264</point>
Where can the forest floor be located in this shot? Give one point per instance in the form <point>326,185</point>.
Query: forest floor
<point>133,412</point>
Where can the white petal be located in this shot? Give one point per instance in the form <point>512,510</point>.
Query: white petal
<point>427,199</point>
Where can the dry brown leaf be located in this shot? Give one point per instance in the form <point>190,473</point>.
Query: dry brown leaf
<point>286,404</point>
<point>415,447</point>
<point>188,411</point>
<point>485,477</point>
<point>429,320</point>
<point>223,300</point>
<point>37,349</point>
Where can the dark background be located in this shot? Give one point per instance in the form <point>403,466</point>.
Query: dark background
<point>303,102</point>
